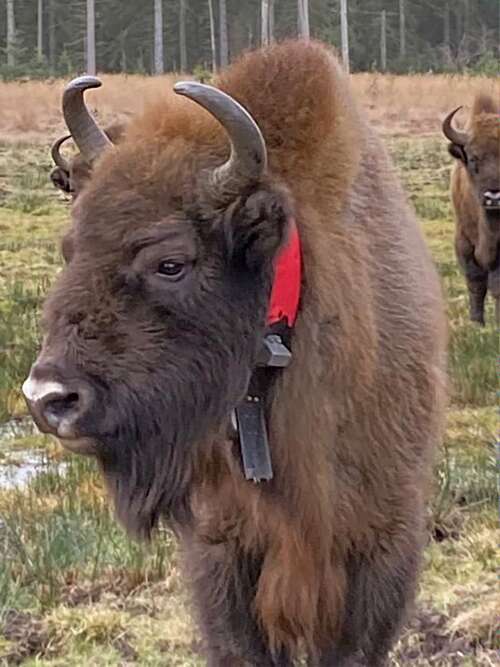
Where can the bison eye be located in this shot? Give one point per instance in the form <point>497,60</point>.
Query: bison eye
<point>171,269</point>
<point>474,163</point>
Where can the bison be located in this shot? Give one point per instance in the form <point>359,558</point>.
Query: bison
<point>475,193</point>
<point>71,175</point>
<point>154,329</point>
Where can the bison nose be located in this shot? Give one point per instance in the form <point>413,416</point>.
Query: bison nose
<point>56,406</point>
<point>491,199</point>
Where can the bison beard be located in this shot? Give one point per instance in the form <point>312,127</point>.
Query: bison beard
<point>323,558</point>
<point>162,429</point>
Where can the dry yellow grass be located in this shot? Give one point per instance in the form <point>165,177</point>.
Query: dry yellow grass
<point>30,111</point>
<point>417,103</point>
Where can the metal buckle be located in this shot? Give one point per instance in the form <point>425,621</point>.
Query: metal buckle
<point>274,353</point>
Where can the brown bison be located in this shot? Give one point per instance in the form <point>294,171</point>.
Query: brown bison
<point>154,328</point>
<point>71,175</point>
<point>475,192</point>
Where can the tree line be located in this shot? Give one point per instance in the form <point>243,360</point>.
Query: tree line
<point>60,37</point>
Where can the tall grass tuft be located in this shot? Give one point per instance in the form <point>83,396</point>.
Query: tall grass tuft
<point>58,531</point>
<point>18,339</point>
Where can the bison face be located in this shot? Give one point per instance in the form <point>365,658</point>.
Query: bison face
<point>71,180</point>
<point>479,151</point>
<point>483,167</point>
<point>153,327</point>
<point>61,179</point>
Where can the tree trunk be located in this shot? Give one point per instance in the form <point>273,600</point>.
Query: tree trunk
<point>383,41</point>
<point>224,51</point>
<point>52,38</point>
<point>91,65</point>
<point>158,37</point>
<point>344,30</point>
<point>39,40</point>
<point>264,15</point>
<point>303,18</point>
<point>402,29</point>
<point>123,51</point>
<point>267,22</point>
<point>212,35</point>
<point>11,34</point>
<point>182,35</point>
<point>466,30</point>
<point>271,21</point>
<point>447,27</point>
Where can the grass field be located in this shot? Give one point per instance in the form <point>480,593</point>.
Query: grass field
<point>73,589</point>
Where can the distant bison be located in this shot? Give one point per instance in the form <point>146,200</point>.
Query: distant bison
<point>71,175</point>
<point>475,192</point>
<point>154,327</point>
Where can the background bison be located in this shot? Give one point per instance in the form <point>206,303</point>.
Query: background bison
<point>69,175</point>
<point>475,193</point>
<point>152,333</point>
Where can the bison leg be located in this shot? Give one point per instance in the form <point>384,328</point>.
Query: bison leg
<point>477,284</point>
<point>494,289</point>
<point>475,277</point>
<point>224,581</point>
<point>379,590</point>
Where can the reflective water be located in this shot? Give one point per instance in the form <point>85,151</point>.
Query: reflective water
<point>17,465</point>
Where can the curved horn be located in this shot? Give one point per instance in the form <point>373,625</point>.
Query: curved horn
<point>58,159</point>
<point>248,160</point>
<point>86,134</point>
<point>451,133</point>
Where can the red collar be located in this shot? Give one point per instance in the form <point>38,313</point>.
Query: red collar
<point>285,294</point>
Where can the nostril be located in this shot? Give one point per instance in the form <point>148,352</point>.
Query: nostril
<point>494,194</point>
<point>491,198</point>
<point>59,407</point>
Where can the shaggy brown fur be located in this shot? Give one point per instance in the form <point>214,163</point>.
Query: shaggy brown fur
<point>325,556</point>
<point>477,234</point>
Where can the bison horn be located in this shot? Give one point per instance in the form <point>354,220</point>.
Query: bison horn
<point>451,133</point>
<point>86,134</point>
<point>58,159</point>
<point>248,160</point>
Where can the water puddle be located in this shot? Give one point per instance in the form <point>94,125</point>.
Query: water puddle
<point>16,428</point>
<point>18,470</point>
<point>18,466</point>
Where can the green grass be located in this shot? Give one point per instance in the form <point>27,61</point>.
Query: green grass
<point>75,591</point>
<point>60,526</point>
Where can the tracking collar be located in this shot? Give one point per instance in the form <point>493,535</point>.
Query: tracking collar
<point>285,294</point>
<point>248,418</point>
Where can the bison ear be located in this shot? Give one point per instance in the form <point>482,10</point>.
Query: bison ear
<point>256,227</point>
<point>458,152</point>
<point>60,178</point>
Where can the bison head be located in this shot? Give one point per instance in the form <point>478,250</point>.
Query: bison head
<point>478,149</point>
<point>153,327</point>
<point>71,175</point>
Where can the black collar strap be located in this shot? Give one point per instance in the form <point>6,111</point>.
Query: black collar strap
<point>249,418</point>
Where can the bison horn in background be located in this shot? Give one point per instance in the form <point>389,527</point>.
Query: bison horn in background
<point>248,160</point>
<point>59,161</point>
<point>87,135</point>
<point>451,133</point>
